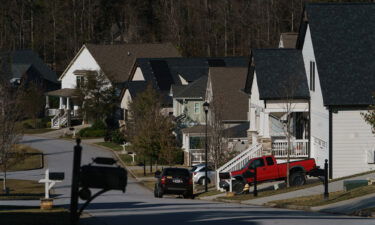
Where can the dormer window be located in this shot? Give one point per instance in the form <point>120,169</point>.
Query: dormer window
<point>312,76</point>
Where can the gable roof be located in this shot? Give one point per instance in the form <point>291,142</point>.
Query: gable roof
<point>136,87</point>
<point>343,37</point>
<point>227,83</point>
<point>164,72</point>
<point>196,89</point>
<point>289,39</point>
<point>280,74</point>
<point>116,60</point>
<point>21,61</point>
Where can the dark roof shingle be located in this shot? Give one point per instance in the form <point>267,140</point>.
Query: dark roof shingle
<point>343,37</point>
<point>280,74</point>
<point>196,89</point>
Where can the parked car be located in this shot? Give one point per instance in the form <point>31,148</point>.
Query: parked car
<point>174,181</point>
<point>199,174</point>
<point>267,170</point>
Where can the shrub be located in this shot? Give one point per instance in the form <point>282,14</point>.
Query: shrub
<point>27,126</point>
<point>98,125</point>
<point>48,124</point>
<point>117,137</point>
<point>90,132</point>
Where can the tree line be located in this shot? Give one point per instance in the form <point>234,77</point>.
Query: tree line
<point>57,29</point>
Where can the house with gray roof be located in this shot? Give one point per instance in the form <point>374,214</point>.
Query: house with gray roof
<point>25,66</point>
<point>322,88</point>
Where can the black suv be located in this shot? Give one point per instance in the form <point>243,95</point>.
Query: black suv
<point>174,181</point>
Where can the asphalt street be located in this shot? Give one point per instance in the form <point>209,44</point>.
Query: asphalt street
<point>138,206</point>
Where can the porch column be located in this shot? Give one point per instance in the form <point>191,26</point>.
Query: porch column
<point>47,102</point>
<point>68,103</point>
<point>266,120</point>
<point>252,119</point>
<point>261,123</point>
<point>61,103</point>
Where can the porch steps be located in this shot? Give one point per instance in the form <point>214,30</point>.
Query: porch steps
<point>240,160</point>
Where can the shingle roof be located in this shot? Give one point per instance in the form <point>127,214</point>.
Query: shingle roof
<point>116,61</point>
<point>196,89</point>
<point>64,92</point>
<point>227,83</point>
<point>280,74</point>
<point>289,40</point>
<point>23,60</point>
<point>136,87</point>
<point>343,37</point>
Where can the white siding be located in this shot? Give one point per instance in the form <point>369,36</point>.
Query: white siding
<point>319,113</point>
<point>138,75</point>
<point>83,61</point>
<point>352,139</point>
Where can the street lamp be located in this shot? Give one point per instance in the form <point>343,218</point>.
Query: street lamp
<point>205,107</point>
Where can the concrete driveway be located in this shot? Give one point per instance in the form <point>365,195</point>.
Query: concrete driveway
<point>138,206</point>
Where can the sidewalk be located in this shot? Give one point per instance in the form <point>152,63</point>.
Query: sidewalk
<point>333,186</point>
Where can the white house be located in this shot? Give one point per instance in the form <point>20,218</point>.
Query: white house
<point>114,61</point>
<point>328,81</point>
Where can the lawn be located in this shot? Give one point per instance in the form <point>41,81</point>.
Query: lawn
<point>111,145</point>
<point>318,200</point>
<point>22,189</point>
<point>29,162</point>
<point>34,216</point>
<point>269,192</point>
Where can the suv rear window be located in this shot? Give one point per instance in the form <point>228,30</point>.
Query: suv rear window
<point>176,172</point>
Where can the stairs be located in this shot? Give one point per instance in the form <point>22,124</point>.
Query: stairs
<point>240,160</point>
<point>60,119</point>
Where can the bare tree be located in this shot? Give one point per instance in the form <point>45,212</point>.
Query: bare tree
<point>10,130</point>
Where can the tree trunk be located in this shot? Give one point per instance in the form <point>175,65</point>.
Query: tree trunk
<point>144,165</point>
<point>150,164</point>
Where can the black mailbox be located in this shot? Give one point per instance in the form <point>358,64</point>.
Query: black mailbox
<point>102,177</point>
<point>56,176</point>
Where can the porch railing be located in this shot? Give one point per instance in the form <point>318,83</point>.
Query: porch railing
<point>299,148</point>
<point>197,156</point>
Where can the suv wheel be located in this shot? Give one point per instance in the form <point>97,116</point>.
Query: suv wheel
<point>157,192</point>
<point>238,186</point>
<point>202,180</point>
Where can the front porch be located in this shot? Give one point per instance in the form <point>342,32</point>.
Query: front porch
<point>269,127</point>
<point>68,108</point>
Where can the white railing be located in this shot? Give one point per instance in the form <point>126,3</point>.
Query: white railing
<point>197,156</point>
<point>52,112</point>
<point>239,161</point>
<point>299,148</point>
<point>60,119</point>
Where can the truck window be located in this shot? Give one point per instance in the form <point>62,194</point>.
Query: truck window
<point>269,161</point>
<point>256,163</point>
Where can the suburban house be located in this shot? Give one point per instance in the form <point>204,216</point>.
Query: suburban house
<point>25,66</point>
<point>180,81</point>
<point>320,89</point>
<point>114,61</point>
<point>228,106</point>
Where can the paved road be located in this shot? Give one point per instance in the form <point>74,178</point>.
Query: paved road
<point>138,206</point>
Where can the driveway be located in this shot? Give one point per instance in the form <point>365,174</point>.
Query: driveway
<point>138,206</point>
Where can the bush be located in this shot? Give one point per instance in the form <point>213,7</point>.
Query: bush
<point>117,137</point>
<point>90,132</point>
<point>98,125</point>
<point>27,126</point>
<point>48,124</point>
<point>40,124</point>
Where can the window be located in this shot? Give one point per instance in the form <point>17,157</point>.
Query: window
<point>312,76</point>
<point>256,163</point>
<point>269,161</point>
<point>126,114</point>
<point>197,108</point>
<point>196,142</point>
<point>79,81</point>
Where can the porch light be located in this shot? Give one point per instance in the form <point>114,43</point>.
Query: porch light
<point>206,106</point>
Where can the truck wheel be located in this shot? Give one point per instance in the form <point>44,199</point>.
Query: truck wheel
<point>238,186</point>
<point>297,179</point>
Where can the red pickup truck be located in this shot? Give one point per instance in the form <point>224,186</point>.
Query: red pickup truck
<point>268,169</point>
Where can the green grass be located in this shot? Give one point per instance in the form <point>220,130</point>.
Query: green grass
<point>267,192</point>
<point>209,193</point>
<point>29,162</point>
<point>318,200</point>
<point>22,189</point>
<point>34,216</point>
<point>111,145</point>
